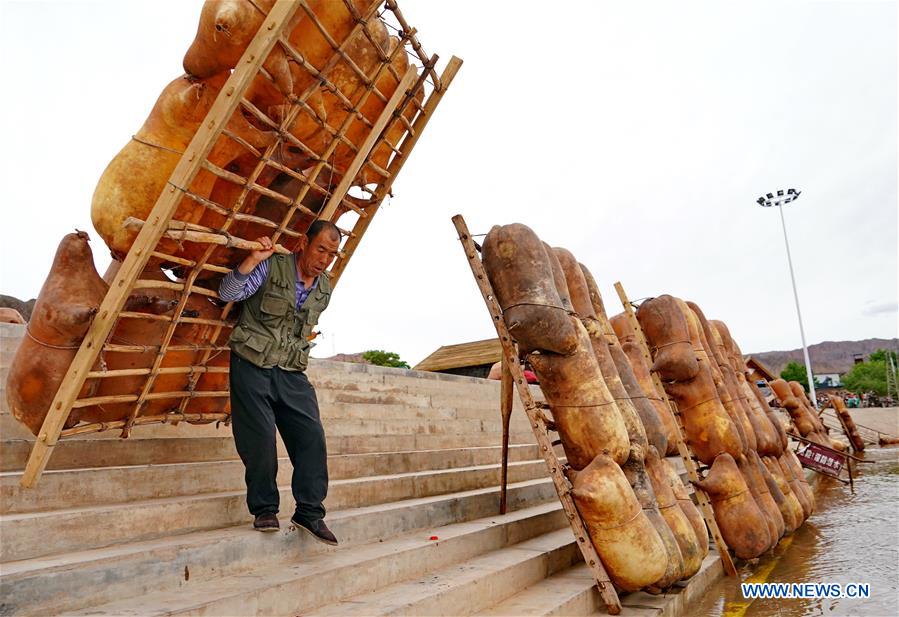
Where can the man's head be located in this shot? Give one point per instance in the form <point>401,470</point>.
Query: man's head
<point>318,248</point>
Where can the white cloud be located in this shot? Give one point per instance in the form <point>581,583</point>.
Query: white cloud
<point>883,307</point>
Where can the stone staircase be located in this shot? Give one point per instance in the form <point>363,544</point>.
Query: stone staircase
<point>157,524</point>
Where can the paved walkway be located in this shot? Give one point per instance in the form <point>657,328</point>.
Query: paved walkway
<point>883,419</point>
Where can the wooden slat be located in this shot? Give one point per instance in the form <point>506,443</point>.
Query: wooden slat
<point>538,422</point>
<point>152,396</point>
<point>341,132</point>
<point>169,418</point>
<point>439,84</point>
<point>125,348</point>
<point>166,370</point>
<point>313,186</point>
<point>183,175</point>
<point>191,232</point>
<point>182,319</point>
<point>189,263</point>
<point>174,286</point>
<point>365,149</point>
<point>682,447</point>
<point>449,73</point>
<point>377,47</point>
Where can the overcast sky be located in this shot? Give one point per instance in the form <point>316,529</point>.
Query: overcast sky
<point>637,135</point>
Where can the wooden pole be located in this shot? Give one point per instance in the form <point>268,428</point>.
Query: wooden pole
<point>682,447</point>
<point>190,163</point>
<point>182,232</point>
<point>505,408</point>
<point>538,422</point>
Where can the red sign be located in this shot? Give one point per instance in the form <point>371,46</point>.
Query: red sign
<point>820,459</point>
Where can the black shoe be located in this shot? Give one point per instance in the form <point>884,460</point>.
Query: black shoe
<point>266,522</point>
<point>317,529</point>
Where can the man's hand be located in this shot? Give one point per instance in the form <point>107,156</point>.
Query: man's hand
<point>257,257</point>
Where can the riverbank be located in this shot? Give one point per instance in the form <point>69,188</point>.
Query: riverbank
<point>851,538</point>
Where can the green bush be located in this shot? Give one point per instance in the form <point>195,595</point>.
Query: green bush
<point>870,376</point>
<point>794,371</point>
<point>384,358</point>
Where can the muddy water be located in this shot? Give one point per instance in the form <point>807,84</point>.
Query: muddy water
<point>851,538</point>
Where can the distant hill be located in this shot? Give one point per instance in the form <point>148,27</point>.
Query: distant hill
<point>827,357</point>
<point>23,307</point>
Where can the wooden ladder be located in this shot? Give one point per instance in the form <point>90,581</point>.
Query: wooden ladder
<point>683,448</point>
<point>541,425</point>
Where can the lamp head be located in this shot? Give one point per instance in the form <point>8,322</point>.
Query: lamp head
<point>781,198</point>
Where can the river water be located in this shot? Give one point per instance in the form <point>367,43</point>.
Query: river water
<point>850,538</point>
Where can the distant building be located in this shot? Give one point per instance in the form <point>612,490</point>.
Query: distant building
<point>758,370</point>
<point>828,380</point>
<point>471,359</point>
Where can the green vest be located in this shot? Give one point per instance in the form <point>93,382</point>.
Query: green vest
<point>271,331</point>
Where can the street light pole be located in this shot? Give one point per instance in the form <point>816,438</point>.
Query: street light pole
<point>780,200</point>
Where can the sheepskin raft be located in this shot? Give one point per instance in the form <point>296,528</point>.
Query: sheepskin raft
<point>286,113</point>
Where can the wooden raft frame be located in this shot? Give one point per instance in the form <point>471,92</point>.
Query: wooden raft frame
<point>420,79</point>
<point>683,448</point>
<point>513,373</point>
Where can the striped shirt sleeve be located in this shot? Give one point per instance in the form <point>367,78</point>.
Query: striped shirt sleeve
<point>236,287</point>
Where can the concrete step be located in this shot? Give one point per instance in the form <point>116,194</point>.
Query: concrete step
<point>677,600</point>
<point>11,330</point>
<point>11,428</point>
<point>34,534</point>
<point>319,370</point>
<point>339,374</point>
<point>142,449</point>
<point>414,426</point>
<point>569,592</point>
<point>355,404</point>
<point>392,386</point>
<point>466,398</point>
<point>299,588</point>
<point>326,374</point>
<point>108,485</point>
<point>469,587</point>
<point>573,592</point>
<point>74,453</point>
<point>458,391</point>
<point>7,351</point>
<point>69,582</point>
<point>486,412</point>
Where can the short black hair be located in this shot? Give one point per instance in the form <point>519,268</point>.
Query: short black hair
<point>319,225</point>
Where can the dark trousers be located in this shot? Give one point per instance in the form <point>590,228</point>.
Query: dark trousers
<point>261,400</point>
